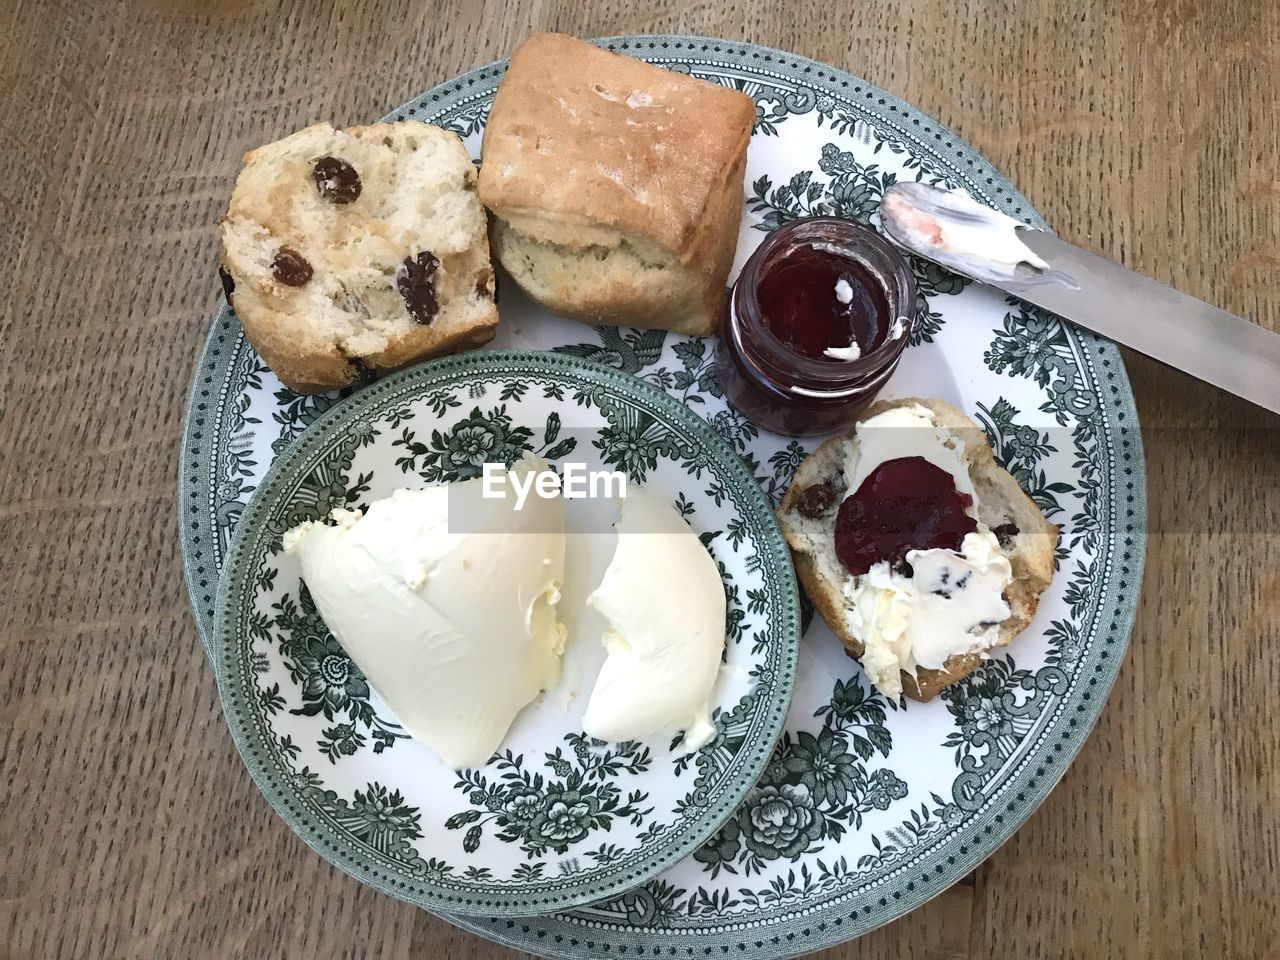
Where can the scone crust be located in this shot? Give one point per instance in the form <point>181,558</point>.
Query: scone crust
<point>581,138</point>
<point>616,186</point>
<point>1032,558</point>
<point>274,205</point>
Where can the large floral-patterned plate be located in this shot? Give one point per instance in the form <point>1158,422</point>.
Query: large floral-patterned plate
<point>870,807</point>
<point>554,819</point>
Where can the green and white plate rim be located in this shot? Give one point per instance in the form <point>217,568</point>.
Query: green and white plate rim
<point>845,831</point>
<point>530,831</point>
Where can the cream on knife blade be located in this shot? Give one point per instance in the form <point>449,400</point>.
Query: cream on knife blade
<point>953,229</point>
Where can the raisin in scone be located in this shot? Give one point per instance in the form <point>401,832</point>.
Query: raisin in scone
<point>920,552</point>
<point>352,252</point>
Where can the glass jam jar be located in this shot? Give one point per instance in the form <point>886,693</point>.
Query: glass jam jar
<point>815,326</point>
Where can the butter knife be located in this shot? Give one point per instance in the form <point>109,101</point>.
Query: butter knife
<point>954,230</point>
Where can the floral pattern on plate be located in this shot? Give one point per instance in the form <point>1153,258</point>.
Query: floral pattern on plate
<point>555,818</point>
<point>975,762</point>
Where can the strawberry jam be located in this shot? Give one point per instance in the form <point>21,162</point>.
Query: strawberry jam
<point>814,298</point>
<point>904,504</point>
<point>815,325</point>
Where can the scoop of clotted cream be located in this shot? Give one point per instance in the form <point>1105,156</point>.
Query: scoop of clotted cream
<point>953,601</point>
<point>665,603</point>
<point>457,631</point>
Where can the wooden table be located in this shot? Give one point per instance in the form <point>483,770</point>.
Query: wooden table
<point>128,827</point>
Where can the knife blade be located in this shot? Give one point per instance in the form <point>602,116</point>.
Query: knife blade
<point>1218,347</point>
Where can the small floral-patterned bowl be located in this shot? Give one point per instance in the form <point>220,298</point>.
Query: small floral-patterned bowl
<point>554,819</point>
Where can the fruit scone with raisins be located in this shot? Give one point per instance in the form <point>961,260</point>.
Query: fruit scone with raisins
<point>916,547</point>
<point>348,253</point>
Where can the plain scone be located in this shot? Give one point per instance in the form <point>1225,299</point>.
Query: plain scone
<point>1000,502</point>
<point>616,186</point>
<point>416,196</point>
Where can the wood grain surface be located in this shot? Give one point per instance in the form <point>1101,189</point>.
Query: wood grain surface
<point>128,826</point>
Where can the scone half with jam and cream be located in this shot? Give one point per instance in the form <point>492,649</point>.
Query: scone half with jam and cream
<point>919,551</point>
<point>349,253</point>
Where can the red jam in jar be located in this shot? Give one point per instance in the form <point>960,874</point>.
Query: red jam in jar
<point>816,324</point>
<point>814,300</point>
<point>904,504</point>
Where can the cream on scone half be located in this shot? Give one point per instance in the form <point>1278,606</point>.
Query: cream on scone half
<point>924,620</point>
